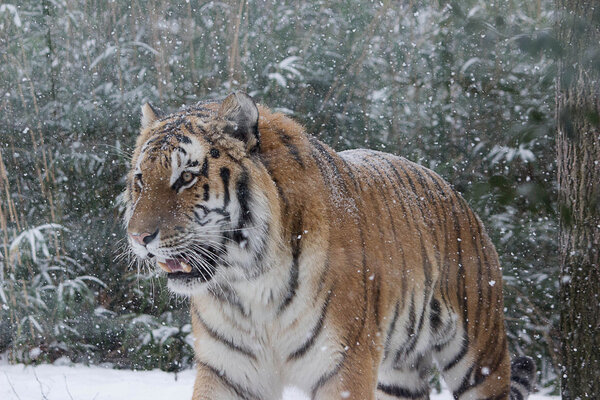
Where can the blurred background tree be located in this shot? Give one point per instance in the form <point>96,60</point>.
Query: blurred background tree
<point>578,149</point>
<point>465,88</point>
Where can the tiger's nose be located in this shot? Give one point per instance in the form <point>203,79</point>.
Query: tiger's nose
<point>144,238</point>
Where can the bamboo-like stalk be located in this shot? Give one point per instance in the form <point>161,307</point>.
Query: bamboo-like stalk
<point>21,220</point>
<point>48,176</point>
<point>234,55</point>
<point>157,58</point>
<point>50,44</point>
<point>115,35</point>
<point>12,211</point>
<point>244,28</point>
<point>8,266</point>
<point>27,305</point>
<point>24,103</point>
<point>3,216</point>
<point>191,45</point>
<point>36,108</point>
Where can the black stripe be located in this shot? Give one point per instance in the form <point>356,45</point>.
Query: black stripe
<point>320,165</point>
<point>365,303</point>
<point>242,192</point>
<point>464,386</point>
<point>327,376</point>
<point>377,299</point>
<point>292,285</point>
<point>227,295</point>
<point>402,392</point>
<point>189,126</point>
<point>459,356</point>
<point>391,330</point>
<point>294,272</point>
<point>206,195</point>
<point>328,157</point>
<point>314,333</point>
<point>291,146</point>
<point>220,338</point>
<point>204,169</point>
<point>240,391</point>
<point>282,196</point>
<point>515,394</point>
<point>448,334</point>
<point>435,315</point>
<point>414,334</point>
<point>225,173</point>
<point>525,369</point>
<point>410,329</point>
<point>324,272</point>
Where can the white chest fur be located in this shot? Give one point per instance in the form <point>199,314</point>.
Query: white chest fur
<point>243,332</point>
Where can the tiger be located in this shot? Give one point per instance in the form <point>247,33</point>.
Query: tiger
<point>349,274</point>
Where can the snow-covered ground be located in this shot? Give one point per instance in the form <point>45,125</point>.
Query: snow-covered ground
<point>78,382</point>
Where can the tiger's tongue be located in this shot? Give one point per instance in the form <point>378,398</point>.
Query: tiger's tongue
<point>171,265</point>
<point>174,265</point>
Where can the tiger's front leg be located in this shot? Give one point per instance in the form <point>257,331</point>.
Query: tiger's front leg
<point>355,379</point>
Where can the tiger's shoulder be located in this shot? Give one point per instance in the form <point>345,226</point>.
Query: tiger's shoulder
<point>299,162</point>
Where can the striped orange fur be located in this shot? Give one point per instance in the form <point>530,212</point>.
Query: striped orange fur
<point>349,275</point>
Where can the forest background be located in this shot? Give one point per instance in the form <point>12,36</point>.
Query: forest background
<point>466,88</point>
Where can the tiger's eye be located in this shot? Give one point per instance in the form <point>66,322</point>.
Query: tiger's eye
<point>187,176</point>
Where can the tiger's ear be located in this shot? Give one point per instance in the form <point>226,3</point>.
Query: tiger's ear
<point>150,114</point>
<point>240,110</point>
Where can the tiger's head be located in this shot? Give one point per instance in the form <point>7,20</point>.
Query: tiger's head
<point>199,203</point>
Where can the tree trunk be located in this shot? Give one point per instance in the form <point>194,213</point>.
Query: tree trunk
<point>578,154</point>
<point>50,55</point>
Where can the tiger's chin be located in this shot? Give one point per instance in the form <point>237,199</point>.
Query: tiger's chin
<point>186,285</point>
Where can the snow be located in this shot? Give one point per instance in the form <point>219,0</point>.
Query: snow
<point>78,382</point>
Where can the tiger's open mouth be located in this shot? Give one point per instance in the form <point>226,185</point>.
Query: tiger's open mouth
<point>184,268</point>
<point>175,265</point>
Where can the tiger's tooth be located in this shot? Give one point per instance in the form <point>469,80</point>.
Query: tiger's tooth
<point>186,267</point>
<point>163,266</point>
